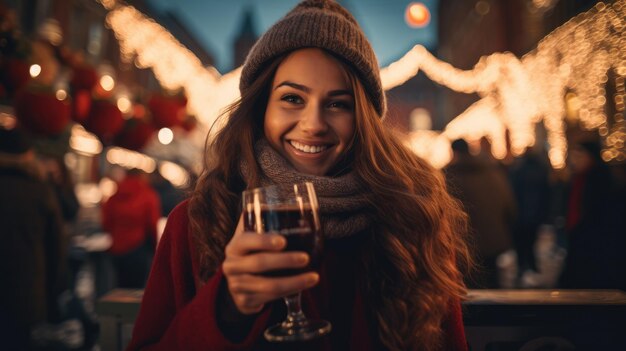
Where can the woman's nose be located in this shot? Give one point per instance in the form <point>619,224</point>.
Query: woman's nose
<point>313,121</point>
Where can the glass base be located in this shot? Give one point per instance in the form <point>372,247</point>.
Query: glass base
<point>289,332</point>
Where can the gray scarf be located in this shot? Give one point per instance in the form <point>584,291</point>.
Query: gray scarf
<point>344,207</point>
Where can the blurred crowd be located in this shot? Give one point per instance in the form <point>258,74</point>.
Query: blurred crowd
<point>537,227</point>
<point>58,253</point>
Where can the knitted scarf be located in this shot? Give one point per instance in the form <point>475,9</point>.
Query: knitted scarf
<point>344,208</point>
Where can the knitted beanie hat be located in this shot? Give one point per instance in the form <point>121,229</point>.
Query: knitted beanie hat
<point>321,24</point>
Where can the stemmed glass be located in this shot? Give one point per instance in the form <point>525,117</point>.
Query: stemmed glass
<point>291,211</point>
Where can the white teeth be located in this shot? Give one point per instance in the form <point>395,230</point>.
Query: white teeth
<point>310,149</point>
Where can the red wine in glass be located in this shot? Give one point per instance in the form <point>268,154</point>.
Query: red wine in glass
<point>293,212</point>
<point>297,225</point>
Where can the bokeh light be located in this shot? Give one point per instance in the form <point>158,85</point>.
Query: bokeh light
<point>417,15</point>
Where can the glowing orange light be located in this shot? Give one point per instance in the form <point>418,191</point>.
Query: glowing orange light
<point>417,15</point>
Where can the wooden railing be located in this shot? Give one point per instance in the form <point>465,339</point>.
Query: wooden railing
<point>503,320</point>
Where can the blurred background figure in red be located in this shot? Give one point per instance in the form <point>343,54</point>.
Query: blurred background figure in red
<point>130,216</point>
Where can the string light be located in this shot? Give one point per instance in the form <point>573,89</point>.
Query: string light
<point>61,94</point>
<point>130,159</point>
<point>124,104</point>
<point>107,82</point>
<point>515,93</point>
<point>417,15</point>
<point>34,70</point>
<point>83,142</point>
<point>522,92</point>
<point>174,173</point>
<point>165,136</point>
<point>144,41</point>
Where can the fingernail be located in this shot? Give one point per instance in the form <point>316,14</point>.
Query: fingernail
<point>278,241</point>
<point>313,278</point>
<point>302,258</point>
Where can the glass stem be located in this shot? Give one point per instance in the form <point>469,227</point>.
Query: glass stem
<point>295,316</point>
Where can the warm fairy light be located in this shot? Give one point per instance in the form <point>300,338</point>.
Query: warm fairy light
<point>417,15</point>
<point>107,82</point>
<point>7,120</point>
<point>519,93</point>
<point>34,70</point>
<point>130,159</point>
<point>124,104</point>
<point>88,194</point>
<point>544,4</point>
<point>84,142</point>
<point>144,41</point>
<point>515,93</point>
<point>176,174</point>
<point>165,136</point>
<point>61,94</point>
<point>431,146</point>
<point>107,187</point>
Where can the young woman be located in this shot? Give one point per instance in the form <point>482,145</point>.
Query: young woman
<point>310,110</point>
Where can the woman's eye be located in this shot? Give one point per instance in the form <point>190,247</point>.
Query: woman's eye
<point>293,99</point>
<point>344,105</point>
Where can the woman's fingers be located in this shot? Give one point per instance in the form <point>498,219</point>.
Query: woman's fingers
<point>265,261</point>
<point>248,254</point>
<point>253,290</point>
<point>248,303</point>
<point>247,242</point>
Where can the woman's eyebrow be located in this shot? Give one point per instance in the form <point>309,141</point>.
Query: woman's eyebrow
<point>294,85</point>
<point>306,89</point>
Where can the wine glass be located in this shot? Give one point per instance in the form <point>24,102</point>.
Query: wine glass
<point>293,212</point>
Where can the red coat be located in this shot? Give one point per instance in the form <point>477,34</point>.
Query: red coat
<point>179,313</point>
<point>131,215</point>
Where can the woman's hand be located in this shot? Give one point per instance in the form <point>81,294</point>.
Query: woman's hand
<point>248,255</point>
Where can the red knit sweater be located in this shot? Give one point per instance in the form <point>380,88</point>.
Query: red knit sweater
<point>179,313</point>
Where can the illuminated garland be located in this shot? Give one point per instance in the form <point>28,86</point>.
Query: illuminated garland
<point>151,46</point>
<point>515,93</point>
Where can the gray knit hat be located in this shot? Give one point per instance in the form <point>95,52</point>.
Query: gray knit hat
<point>322,24</point>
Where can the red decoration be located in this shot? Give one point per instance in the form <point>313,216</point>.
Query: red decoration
<point>84,78</point>
<point>105,120</point>
<point>167,111</point>
<point>81,105</point>
<point>15,74</point>
<point>190,123</point>
<point>135,134</point>
<point>41,112</point>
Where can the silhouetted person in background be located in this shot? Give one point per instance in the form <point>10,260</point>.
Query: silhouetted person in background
<point>593,225</point>
<point>488,199</point>
<point>32,244</point>
<point>169,195</point>
<point>131,216</point>
<point>529,179</point>
<point>60,178</point>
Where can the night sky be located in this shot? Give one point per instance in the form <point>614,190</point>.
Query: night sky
<point>217,22</point>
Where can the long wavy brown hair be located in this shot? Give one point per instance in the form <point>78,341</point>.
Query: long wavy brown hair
<point>416,260</point>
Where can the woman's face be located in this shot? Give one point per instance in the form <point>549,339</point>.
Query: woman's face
<point>310,116</point>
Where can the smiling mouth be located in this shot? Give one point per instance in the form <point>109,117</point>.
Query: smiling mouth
<point>309,149</point>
